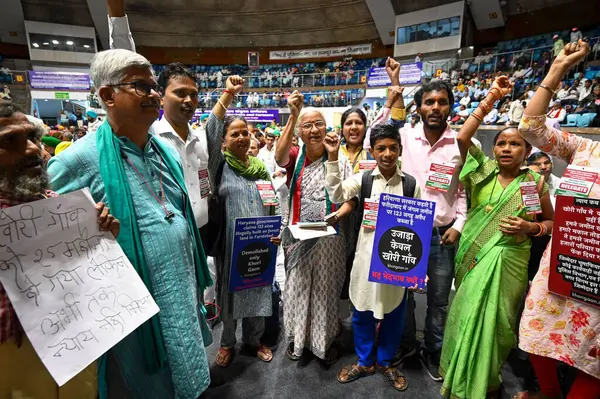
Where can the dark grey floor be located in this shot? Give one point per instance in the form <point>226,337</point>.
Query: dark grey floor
<point>247,377</point>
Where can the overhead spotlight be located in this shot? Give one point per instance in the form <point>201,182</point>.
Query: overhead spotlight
<point>36,45</point>
<point>46,44</point>
<point>69,43</point>
<point>86,45</point>
<point>55,42</point>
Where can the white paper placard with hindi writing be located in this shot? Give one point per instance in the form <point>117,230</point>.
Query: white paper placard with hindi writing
<point>75,292</point>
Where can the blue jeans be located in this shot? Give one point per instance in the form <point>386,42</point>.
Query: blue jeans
<point>364,326</point>
<point>441,273</point>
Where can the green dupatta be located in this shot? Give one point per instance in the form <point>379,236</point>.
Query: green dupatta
<point>119,199</point>
<point>491,278</point>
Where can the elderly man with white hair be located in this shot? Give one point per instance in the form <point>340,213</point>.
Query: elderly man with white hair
<point>141,178</point>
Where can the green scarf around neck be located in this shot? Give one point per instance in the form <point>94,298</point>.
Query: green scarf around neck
<point>119,199</point>
<point>255,170</point>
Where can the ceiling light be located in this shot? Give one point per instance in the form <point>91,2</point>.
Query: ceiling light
<point>36,45</point>
<point>46,44</point>
<point>45,100</point>
<point>69,42</point>
<point>54,41</point>
<point>86,45</point>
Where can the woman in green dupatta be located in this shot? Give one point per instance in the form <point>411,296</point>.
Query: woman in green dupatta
<point>491,263</point>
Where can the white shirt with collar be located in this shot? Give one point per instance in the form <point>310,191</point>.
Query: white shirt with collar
<point>194,157</point>
<point>268,158</point>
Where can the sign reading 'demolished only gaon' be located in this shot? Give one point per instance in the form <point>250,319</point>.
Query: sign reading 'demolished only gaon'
<point>253,255</point>
<point>59,80</point>
<point>409,74</point>
<point>74,290</point>
<point>402,241</point>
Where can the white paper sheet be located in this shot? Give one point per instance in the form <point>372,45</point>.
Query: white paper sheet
<point>74,290</point>
<point>306,234</point>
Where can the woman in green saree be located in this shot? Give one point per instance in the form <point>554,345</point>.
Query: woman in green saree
<point>491,262</point>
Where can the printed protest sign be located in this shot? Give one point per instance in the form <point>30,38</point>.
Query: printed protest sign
<point>575,257</point>
<point>75,292</point>
<point>253,256</point>
<point>402,241</point>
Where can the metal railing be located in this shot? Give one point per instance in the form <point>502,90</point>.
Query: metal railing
<point>296,80</point>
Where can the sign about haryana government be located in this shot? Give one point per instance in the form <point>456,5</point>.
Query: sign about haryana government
<point>402,241</point>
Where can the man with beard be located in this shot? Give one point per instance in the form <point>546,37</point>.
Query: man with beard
<point>432,142</point>
<point>179,98</point>
<point>23,179</point>
<point>127,166</point>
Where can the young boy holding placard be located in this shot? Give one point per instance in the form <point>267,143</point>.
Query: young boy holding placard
<point>373,302</point>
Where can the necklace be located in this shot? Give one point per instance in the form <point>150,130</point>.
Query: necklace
<point>161,200</point>
<point>490,206</point>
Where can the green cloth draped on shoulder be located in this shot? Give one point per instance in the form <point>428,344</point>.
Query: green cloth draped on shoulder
<point>254,170</point>
<point>491,278</point>
<point>118,194</point>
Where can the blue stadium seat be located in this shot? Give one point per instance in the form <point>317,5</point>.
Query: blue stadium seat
<point>571,120</point>
<point>475,104</point>
<point>585,120</point>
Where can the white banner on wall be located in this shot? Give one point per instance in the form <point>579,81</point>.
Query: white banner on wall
<point>357,49</point>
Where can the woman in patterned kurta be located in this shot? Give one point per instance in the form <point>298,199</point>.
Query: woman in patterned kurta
<point>242,199</point>
<point>555,328</point>
<point>316,267</point>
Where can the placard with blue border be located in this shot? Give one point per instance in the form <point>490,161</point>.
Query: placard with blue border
<point>253,255</point>
<point>402,241</point>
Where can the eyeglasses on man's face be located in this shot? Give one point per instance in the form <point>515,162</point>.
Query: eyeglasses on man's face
<point>308,125</point>
<point>141,88</point>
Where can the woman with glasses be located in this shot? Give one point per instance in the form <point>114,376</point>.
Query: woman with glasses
<point>237,186</point>
<point>315,268</point>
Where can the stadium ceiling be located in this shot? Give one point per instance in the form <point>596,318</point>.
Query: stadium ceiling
<point>218,23</point>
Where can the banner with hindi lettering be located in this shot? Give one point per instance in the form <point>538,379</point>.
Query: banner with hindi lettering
<point>255,115</point>
<point>575,256</point>
<point>74,290</point>
<point>402,241</point>
<point>59,80</point>
<point>253,255</point>
<point>341,51</point>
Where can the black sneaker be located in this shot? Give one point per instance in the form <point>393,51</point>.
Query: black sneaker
<point>403,354</point>
<point>432,367</point>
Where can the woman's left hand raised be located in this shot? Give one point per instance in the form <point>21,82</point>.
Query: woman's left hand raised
<point>514,226</point>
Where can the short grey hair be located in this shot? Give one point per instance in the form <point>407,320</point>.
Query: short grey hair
<point>108,67</point>
<point>308,111</point>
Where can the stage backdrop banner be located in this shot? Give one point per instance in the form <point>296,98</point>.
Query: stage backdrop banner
<point>327,52</point>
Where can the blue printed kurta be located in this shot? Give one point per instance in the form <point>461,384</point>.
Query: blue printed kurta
<point>168,251</point>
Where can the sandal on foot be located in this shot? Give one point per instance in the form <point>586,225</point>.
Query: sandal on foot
<point>264,353</point>
<point>290,353</point>
<point>394,377</point>
<point>225,356</point>
<point>353,372</point>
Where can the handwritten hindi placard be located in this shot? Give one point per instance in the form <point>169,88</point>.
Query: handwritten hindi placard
<point>575,255</point>
<point>402,241</point>
<point>75,292</point>
<point>253,255</point>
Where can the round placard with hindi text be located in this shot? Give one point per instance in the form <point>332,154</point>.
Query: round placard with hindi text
<point>400,249</point>
<point>253,260</point>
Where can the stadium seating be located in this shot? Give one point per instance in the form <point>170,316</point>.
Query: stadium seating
<point>571,120</point>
